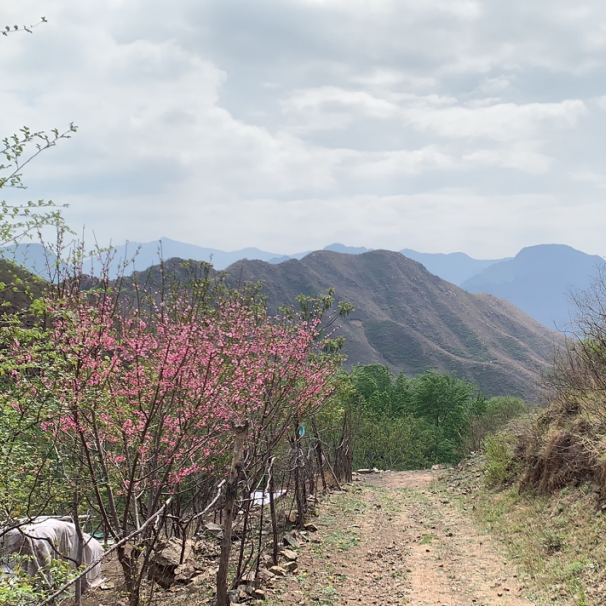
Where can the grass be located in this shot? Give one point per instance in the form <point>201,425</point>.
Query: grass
<point>323,587</point>
<point>557,540</point>
<point>343,539</point>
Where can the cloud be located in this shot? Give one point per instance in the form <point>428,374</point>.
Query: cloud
<point>500,122</point>
<point>282,124</point>
<point>588,176</point>
<point>522,158</point>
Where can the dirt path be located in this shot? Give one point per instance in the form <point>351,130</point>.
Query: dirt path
<point>392,539</point>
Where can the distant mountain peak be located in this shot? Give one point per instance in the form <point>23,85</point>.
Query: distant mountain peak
<point>348,250</point>
<point>539,280</point>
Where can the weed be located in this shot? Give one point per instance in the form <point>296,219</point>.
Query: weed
<point>344,539</point>
<point>500,466</point>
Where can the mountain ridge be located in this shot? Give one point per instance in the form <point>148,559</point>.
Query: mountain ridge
<point>539,280</point>
<point>413,321</point>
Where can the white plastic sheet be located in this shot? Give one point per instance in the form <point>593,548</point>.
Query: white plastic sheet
<point>259,497</point>
<point>46,539</point>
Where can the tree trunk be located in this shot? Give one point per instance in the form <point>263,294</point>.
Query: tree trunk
<point>319,454</point>
<point>79,549</point>
<point>231,492</point>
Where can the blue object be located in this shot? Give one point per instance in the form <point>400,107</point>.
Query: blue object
<point>302,430</point>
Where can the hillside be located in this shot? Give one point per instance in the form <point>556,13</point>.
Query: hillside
<point>538,280</point>
<point>411,320</point>
<point>16,281</point>
<point>32,257</point>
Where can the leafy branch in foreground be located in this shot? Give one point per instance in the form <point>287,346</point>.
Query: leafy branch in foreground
<point>22,28</point>
<point>17,151</point>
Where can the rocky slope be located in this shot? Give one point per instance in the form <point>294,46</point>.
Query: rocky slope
<point>411,320</point>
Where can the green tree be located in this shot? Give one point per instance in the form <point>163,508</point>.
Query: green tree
<point>446,403</point>
<point>383,393</point>
<point>443,400</point>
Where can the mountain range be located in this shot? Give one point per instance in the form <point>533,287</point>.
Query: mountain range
<point>408,318</point>
<point>538,280</point>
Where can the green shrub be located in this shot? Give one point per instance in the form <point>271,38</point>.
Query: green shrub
<point>500,466</point>
<point>20,589</point>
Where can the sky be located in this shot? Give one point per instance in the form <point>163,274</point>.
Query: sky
<point>436,125</point>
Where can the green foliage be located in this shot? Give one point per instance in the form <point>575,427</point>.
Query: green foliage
<point>443,400</point>
<point>20,589</point>
<point>29,468</point>
<point>393,443</point>
<point>402,423</point>
<point>496,413</point>
<point>383,393</point>
<point>501,410</point>
<point>500,466</point>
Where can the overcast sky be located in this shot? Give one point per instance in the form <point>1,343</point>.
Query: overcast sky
<point>437,125</point>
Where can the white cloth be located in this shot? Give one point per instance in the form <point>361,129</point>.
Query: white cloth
<point>46,539</point>
<point>259,497</point>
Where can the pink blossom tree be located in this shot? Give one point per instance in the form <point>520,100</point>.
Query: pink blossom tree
<point>149,384</point>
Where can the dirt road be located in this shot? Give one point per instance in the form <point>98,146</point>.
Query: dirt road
<point>393,539</point>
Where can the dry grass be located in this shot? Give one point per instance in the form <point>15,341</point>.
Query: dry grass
<point>557,540</point>
<point>553,522</point>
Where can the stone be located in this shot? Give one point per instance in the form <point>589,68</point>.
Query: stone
<point>249,577</point>
<point>243,595</point>
<point>199,579</point>
<point>289,554</point>
<point>290,566</point>
<point>166,560</point>
<point>265,575</point>
<point>214,529</point>
<point>291,541</point>
<point>278,571</point>
<point>186,572</point>
<point>311,528</point>
<point>169,553</point>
